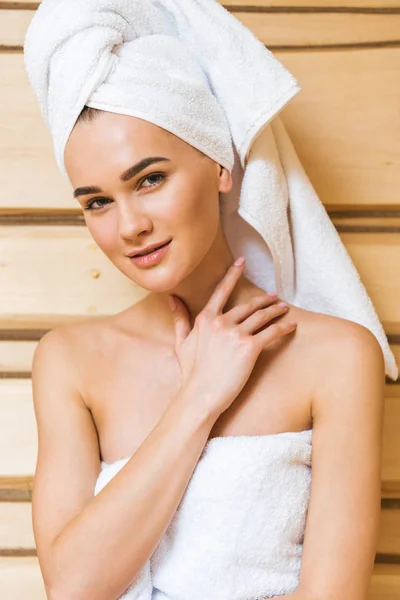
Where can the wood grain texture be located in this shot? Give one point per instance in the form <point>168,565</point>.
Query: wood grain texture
<point>276,29</point>
<point>16,356</point>
<point>377,259</point>
<point>46,270</point>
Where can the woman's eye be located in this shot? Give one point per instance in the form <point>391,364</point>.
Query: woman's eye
<point>90,205</point>
<point>101,202</point>
<point>160,177</point>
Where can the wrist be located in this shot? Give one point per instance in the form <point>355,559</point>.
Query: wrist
<point>196,404</point>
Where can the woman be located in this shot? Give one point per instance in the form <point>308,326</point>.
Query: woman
<point>97,395</point>
<point>193,426</point>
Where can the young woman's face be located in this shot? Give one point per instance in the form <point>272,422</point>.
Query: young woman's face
<point>176,198</point>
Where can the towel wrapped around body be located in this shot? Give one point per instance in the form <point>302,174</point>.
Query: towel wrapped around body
<point>238,531</point>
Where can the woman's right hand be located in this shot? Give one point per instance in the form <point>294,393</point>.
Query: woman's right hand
<point>218,354</point>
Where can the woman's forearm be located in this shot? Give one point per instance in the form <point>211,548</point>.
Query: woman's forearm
<point>101,551</point>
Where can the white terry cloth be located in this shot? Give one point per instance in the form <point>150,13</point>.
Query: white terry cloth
<point>238,531</point>
<point>191,67</point>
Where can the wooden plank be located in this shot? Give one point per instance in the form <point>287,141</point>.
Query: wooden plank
<point>275,29</point>
<point>26,153</point>
<point>18,436</point>
<point>331,122</point>
<point>389,539</point>
<point>32,327</point>
<point>377,259</point>
<point>60,271</point>
<point>336,115</point>
<point>16,357</point>
<point>351,221</point>
<point>13,26</point>
<point>385,583</point>
<point>391,444</point>
<point>20,579</point>
<point>16,532</point>
<point>18,433</point>
<point>317,30</point>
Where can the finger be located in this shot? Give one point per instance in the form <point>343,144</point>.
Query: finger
<point>224,289</point>
<point>262,317</point>
<point>181,320</point>
<point>239,313</point>
<point>274,332</point>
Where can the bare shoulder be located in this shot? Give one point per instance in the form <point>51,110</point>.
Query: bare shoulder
<point>329,334</point>
<point>70,342</point>
<point>79,348</point>
<point>348,361</point>
<point>92,337</point>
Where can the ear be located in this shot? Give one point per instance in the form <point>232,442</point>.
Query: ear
<point>225,180</point>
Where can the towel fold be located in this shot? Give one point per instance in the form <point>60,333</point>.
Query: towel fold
<point>191,67</point>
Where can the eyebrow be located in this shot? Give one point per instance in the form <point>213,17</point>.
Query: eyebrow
<point>125,176</point>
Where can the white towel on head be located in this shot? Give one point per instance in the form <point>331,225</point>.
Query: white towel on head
<point>191,67</point>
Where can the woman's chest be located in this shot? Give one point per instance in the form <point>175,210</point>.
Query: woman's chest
<point>128,391</point>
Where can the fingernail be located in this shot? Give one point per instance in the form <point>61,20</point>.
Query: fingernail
<point>272,294</point>
<point>172,302</point>
<point>239,261</point>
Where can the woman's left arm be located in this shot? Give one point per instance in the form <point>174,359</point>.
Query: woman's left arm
<point>343,519</point>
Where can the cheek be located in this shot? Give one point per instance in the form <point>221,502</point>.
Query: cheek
<point>198,220</point>
<point>195,208</point>
<point>104,232</point>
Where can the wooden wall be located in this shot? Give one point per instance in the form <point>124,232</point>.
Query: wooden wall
<point>345,124</point>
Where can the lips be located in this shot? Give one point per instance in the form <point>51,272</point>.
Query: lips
<point>151,250</point>
<point>151,258</point>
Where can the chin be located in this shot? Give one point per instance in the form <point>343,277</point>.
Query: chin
<point>157,279</point>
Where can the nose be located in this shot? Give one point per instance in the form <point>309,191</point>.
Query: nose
<point>132,221</point>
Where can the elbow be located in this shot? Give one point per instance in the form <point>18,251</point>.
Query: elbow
<point>63,582</point>
<point>62,593</point>
<point>60,589</point>
<point>79,591</point>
